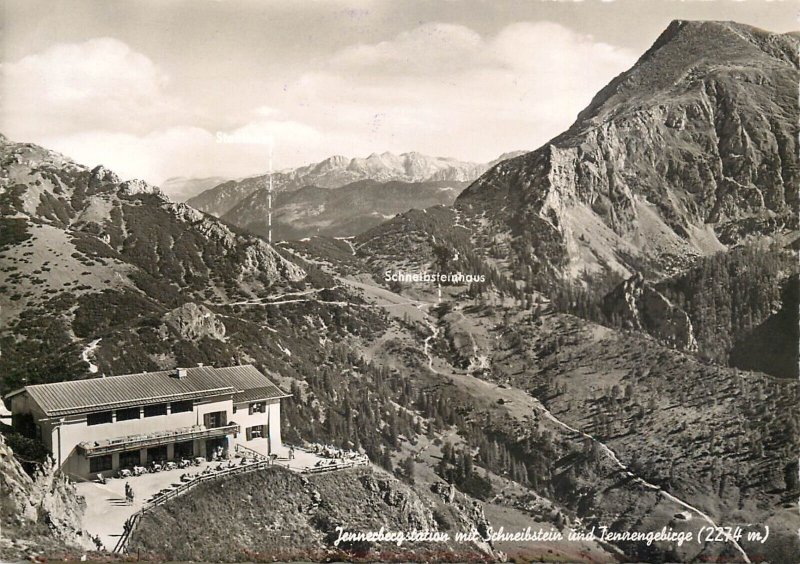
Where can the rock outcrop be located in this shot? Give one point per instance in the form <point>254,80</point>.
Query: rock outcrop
<point>411,511</point>
<point>38,507</point>
<point>636,304</point>
<point>193,322</point>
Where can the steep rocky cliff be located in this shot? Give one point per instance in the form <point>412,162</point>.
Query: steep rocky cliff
<point>40,515</point>
<point>636,304</point>
<point>689,151</point>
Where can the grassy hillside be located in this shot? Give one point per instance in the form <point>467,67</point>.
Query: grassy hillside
<point>724,438</point>
<point>279,515</point>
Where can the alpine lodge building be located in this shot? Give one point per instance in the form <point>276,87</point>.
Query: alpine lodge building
<point>100,425</point>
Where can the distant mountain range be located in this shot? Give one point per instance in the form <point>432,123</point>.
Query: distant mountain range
<point>338,171</point>
<point>338,212</point>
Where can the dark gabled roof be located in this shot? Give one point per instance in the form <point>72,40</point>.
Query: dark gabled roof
<point>250,384</point>
<point>98,394</point>
<point>258,394</point>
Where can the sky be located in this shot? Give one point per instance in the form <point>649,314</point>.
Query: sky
<point>198,88</point>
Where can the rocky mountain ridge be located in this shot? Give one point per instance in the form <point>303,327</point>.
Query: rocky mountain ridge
<point>338,171</point>
<point>51,202</point>
<point>87,258</point>
<point>688,152</point>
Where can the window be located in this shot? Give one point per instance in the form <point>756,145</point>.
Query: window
<point>181,406</point>
<point>184,449</point>
<point>259,407</point>
<point>127,414</point>
<point>215,419</point>
<point>257,432</point>
<point>130,458</point>
<point>98,418</point>
<point>154,410</point>
<point>100,463</point>
<point>157,454</point>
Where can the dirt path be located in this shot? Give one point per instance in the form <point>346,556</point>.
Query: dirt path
<point>517,401</point>
<point>511,396</point>
<point>638,479</point>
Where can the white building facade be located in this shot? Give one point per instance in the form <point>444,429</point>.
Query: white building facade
<point>101,425</point>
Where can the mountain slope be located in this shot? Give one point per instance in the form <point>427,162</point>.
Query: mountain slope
<point>57,208</point>
<point>338,171</point>
<point>291,517</point>
<point>100,276</point>
<point>689,151</point>
<point>772,346</point>
<point>338,212</point>
<point>181,188</point>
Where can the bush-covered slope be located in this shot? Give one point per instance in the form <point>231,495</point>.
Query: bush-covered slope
<point>278,515</point>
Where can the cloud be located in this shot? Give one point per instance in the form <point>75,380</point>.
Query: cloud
<point>186,150</point>
<point>443,88</point>
<point>70,87</point>
<point>439,88</point>
<point>430,49</point>
<point>100,102</point>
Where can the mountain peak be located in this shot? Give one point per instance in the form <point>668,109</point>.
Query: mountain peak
<point>672,158</point>
<point>686,49</point>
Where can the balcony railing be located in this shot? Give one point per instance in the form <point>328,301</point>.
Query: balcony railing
<point>157,438</point>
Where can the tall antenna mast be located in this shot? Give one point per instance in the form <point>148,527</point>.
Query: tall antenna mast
<point>269,197</point>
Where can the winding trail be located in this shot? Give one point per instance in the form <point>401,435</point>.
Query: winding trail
<point>607,450</point>
<point>279,298</point>
<point>638,479</point>
<point>349,242</point>
<point>88,352</point>
<point>422,306</point>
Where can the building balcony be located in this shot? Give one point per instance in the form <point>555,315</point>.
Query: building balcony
<point>156,438</point>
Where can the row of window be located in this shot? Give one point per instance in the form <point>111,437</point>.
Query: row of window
<point>135,412</point>
<point>131,458</point>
